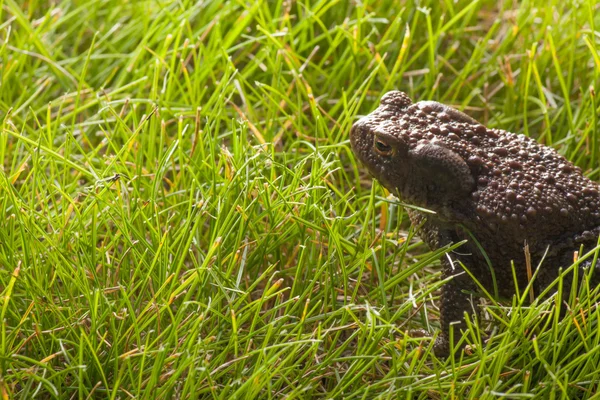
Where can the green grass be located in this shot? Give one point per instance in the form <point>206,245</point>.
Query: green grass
<point>183,216</point>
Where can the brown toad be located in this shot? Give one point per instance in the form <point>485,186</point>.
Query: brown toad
<point>492,188</point>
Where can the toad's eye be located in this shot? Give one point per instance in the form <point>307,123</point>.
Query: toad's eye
<point>382,147</point>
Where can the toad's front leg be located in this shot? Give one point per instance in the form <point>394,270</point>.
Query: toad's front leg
<point>455,298</point>
<point>455,301</point>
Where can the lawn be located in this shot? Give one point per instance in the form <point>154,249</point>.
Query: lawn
<point>183,216</point>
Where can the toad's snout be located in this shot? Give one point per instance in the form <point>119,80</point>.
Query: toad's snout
<point>359,136</point>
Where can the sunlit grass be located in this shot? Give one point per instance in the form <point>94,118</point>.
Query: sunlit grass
<point>183,216</point>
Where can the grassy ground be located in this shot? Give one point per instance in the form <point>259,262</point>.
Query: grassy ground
<point>183,217</point>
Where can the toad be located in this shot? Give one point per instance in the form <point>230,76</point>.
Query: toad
<point>507,196</point>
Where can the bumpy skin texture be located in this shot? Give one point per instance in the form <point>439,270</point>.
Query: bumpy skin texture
<point>506,190</point>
